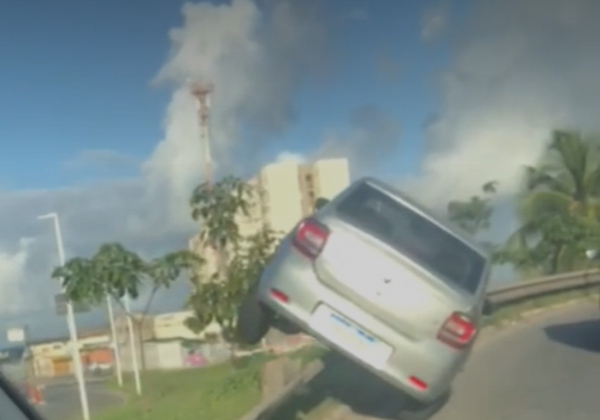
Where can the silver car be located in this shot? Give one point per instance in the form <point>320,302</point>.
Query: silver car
<point>376,277</point>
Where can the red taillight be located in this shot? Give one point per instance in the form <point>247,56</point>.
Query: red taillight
<point>417,383</point>
<point>310,238</point>
<point>279,296</point>
<point>457,331</point>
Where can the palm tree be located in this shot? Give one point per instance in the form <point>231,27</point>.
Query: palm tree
<point>473,215</point>
<point>559,208</point>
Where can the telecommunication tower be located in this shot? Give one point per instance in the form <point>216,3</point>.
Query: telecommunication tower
<point>202,91</point>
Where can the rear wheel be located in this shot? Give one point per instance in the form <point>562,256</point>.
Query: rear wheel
<point>254,320</point>
<point>417,410</point>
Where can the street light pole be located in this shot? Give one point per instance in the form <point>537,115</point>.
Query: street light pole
<point>71,322</point>
<point>133,347</point>
<point>115,344</point>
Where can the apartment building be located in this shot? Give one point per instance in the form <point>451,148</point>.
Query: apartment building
<point>284,193</point>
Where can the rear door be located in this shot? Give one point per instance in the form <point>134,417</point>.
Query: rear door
<point>396,263</point>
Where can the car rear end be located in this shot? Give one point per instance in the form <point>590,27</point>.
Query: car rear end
<point>379,279</point>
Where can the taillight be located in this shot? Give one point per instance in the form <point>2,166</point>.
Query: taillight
<point>310,238</point>
<point>457,331</point>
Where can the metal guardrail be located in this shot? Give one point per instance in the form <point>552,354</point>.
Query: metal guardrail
<point>544,286</point>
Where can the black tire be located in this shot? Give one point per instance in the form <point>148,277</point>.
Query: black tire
<point>254,320</point>
<point>417,410</point>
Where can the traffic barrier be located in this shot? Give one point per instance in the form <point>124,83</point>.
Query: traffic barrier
<point>530,289</point>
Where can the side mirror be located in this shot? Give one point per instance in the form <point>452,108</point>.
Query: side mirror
<point>592,254</point>
<point>320,203</point>
<point>489,307</point>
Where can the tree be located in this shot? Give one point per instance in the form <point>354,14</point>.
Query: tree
<point>116,272</point>
<point>474,215</point>
<point>217,208</point>
<point>559,207</point>
<point>240,260</point>
<point>218,301</point>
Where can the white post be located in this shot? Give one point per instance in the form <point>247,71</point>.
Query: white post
<point>71,324</point>
<point>133,347</point>
<point>115,344</point>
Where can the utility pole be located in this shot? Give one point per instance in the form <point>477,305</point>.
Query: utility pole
<point>115,344</point>
<point>133,347</point>
<point>201,91</point>
<point>74,344</point>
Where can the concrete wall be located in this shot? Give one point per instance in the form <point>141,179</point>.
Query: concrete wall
<point>164,355</point>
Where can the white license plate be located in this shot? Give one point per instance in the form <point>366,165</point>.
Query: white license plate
<point>350,337</point>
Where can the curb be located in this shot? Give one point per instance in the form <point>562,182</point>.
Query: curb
<point>69,383</point>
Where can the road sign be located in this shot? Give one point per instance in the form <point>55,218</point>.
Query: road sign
<point>60,304</point>
<point>15,335</point>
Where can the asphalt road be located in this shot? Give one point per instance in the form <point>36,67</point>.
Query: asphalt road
<point>548,369</point>
<point>62,401</point>
<point>544,369</point>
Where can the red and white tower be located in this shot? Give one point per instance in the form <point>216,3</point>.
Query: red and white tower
<point>202,91</point>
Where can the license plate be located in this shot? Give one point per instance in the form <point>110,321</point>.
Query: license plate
<point>350,337</point>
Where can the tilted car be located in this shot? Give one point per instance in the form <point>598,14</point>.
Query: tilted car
<point>378,278</point>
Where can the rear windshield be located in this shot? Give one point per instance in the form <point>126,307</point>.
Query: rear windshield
<point>416,237</point>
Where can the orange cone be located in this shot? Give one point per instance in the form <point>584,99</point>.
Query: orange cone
<point>34,394</point>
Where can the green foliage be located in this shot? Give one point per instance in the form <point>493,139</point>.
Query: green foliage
<point>117,271</point>
<point>78,279</point>
<point>473,215</point>
<point>558,208</point>
<point>164,270</point>
<point>217,206</point>
<point>218,300</point>
<point>240,260</point>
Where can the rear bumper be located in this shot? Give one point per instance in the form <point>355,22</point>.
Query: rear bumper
<point>426,359</point>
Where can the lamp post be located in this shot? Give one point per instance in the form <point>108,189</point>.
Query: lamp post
<point>115,344</point>
<point>133,347</point>
<point>71,322</point>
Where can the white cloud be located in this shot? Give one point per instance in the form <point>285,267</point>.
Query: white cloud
<point>257,56</point>
<point>13,269</point>
<point>518,70</point>
<point>371,137</point>
<point>287,156</point>
<point>101,158</point>
<point>434,22</point>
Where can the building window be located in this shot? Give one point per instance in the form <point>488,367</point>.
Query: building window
<point>308,178</point>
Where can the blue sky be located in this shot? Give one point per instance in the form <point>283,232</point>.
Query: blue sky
<point>76,76</point>
<point>77,106</point>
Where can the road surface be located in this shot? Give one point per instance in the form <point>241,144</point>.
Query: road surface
<point>545,369</point>
<point>62,401</point>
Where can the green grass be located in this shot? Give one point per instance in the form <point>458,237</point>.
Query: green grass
<point>191,394</point>
<point>219,392</point>
<point>222,392</point>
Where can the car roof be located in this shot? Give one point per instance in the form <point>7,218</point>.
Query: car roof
<point>439,219</point>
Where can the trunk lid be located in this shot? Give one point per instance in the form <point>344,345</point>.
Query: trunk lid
<point>385,283</point>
